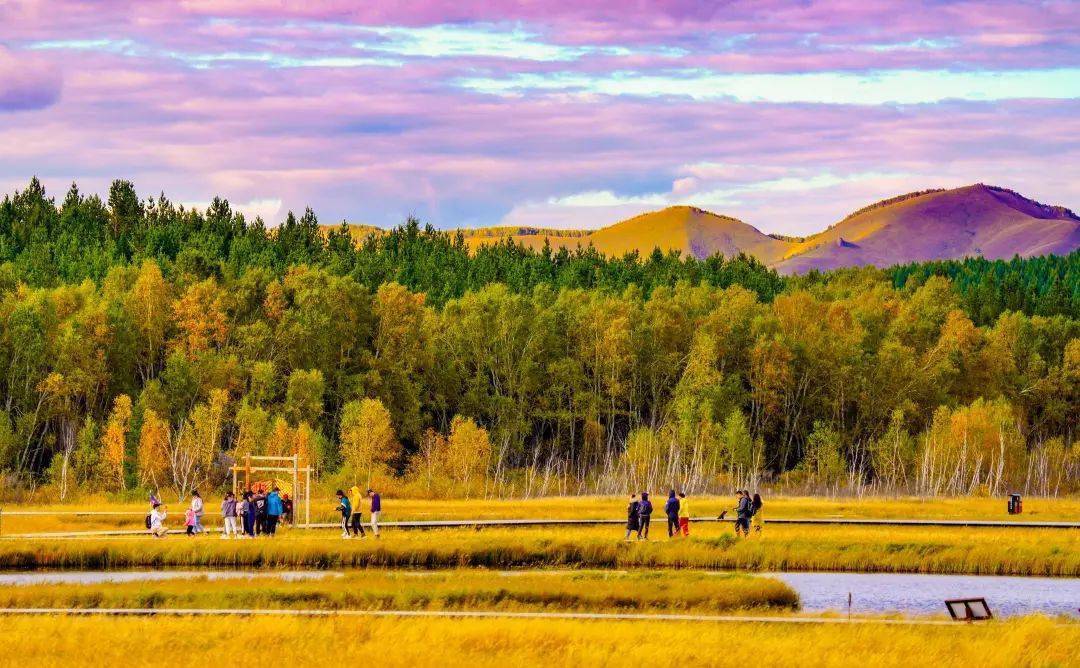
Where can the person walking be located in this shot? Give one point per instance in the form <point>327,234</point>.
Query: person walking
<point>742,513</point>
<point>189,522</point>
<point>228,516</point>
<point>356,525</point>
<point>274,509</point>
<point>197,508</point>
<point>684,514</point>
<point>755,509</point>
<point>632,512</point>
<point>671,509</point>
<point>345,508</point>
<point>644,516</point>
<point>376,509</point>
<point>157,520</point>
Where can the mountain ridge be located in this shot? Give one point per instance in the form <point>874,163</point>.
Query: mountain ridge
<point>932,224</point>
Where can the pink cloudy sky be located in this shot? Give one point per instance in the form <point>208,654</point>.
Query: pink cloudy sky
<point>785,114</point>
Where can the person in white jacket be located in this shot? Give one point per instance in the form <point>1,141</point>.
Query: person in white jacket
<point>197,508</point>
<point>157,521</point>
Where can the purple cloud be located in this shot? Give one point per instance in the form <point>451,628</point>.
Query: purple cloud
<point>361,110</point>
<point>26,82</point>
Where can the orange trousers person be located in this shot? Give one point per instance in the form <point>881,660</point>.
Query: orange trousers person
<point>684,524</point>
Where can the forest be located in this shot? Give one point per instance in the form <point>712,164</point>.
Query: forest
<point>145,345</point>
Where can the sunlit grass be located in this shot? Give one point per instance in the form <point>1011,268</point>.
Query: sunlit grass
<point>1050,552</point>
<point>480,643</point>
<point>581,591</point>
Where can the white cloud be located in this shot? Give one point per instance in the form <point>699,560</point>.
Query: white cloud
<point>874,87</point>
<point>268,209</point>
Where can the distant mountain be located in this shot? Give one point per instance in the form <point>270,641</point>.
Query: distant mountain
<point>976,220</point>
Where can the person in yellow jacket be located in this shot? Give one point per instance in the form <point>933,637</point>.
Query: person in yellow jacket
<point>684,514</point>
<point>355,525</point>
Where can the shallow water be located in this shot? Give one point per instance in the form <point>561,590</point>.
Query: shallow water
<point>926,594</point>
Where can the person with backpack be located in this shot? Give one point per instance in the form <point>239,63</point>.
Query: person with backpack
<point>155,521</point>
<point>274,509</point>
<point>345,508</point>
<point>632,519</point>
<point>755,513</point>
<point>742,513</point>
<point>684,514</point>
<point>644,516</point>
<point>228,516</point>
<point>671,509</point>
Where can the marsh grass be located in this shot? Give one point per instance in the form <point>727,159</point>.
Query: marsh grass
<point>498,643</point>
<point>582,591</point>
<point>1047,552</point>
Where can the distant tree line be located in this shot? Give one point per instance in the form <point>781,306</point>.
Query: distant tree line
<point>145,345</point>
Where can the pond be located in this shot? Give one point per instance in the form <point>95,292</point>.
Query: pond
<point>913,594</point>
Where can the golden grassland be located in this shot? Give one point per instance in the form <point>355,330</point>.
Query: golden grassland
<point>480,643</point>
<point>563,507</point>
<point>459,589</point>
<point>1047,552</point>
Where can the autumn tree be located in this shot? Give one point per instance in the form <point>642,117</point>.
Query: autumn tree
<point>368,442</point>
<point>114,444</point>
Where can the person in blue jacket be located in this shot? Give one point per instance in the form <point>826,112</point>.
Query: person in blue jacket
<point>671,509</point>
<point>274,508</point>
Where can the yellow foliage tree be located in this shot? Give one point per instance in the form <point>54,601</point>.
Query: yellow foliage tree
<point>200,317</point>
<point>468,452</point>
<point>113,443</point>
<point>368,442</point>
<point>153,450</point>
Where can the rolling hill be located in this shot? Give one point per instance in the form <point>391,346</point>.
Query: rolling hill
<point>975,220</point>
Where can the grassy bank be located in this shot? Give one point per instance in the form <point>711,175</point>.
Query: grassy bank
<point>1064,509</point>
<point>410,643</point>
<point>873,549</point>
<point>584,591</point>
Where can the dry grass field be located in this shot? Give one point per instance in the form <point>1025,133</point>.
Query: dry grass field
<point>498,643</point>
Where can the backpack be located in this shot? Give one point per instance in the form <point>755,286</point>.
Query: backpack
<point>148,521</point>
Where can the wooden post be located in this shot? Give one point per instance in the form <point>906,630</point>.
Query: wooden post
<point>307,496</point>
<point>295,485</point>
<point>234,480</point>
<point>247,473</point>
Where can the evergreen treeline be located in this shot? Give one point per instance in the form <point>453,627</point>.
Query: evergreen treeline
<point>144,344</point>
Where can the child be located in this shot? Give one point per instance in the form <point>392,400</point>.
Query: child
<point>189,521</point>
<point>157,521</point>
<point>228,516</point>
<point>345,508</point>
